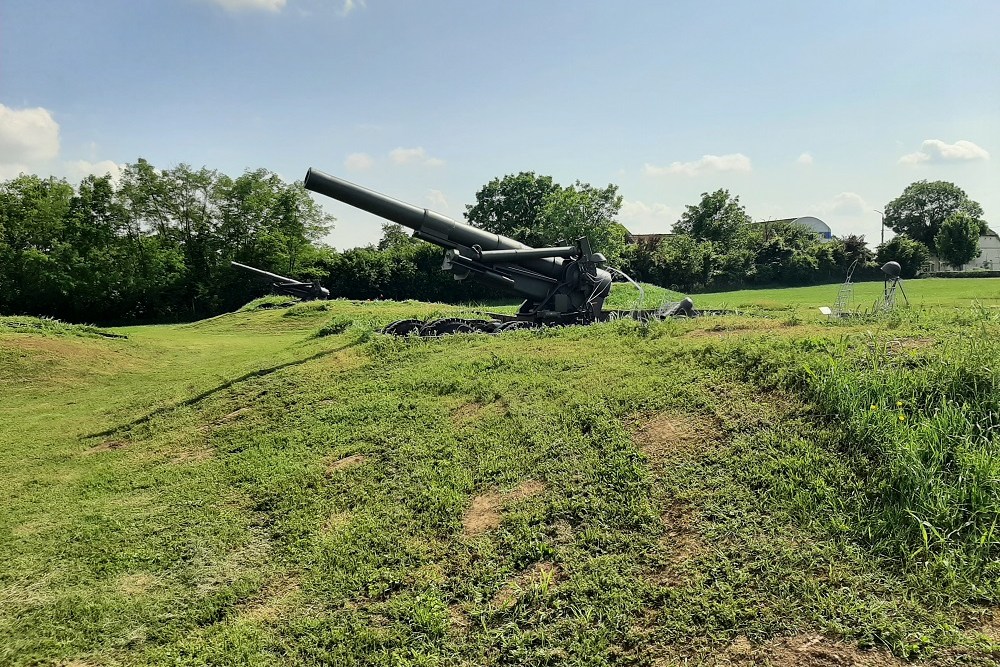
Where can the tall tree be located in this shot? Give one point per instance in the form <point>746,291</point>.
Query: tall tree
<point>789,255</point>
<point>536,211</point>
<point>957,241</point>
<point>584,211</point>
<point>683,263</point>
<point>718,217</point>
<point>512,206</point>
<point>32,219</point>
<point>394,236</point>
<point>854,248</point>
<point>924,206</point>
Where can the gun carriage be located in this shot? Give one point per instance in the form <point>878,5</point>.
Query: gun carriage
<point>287,286</point>
<point>560,285</point>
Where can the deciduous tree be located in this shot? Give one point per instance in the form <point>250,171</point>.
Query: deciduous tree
<point>924,206</point>
<point>957,241</point>
<point>911,255</point>
<point>718,217</point>
<point>536,211</point>
<point>512,206</point>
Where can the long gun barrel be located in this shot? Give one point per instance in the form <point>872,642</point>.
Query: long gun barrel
<point>289,286</point>
<point>263,274</point>
<point>427,225</point>
<point>565,280</point>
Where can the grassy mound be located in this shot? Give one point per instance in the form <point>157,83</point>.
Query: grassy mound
<point>44,325</point>
<point>285,485</point>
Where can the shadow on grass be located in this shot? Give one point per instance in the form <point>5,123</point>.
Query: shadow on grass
<point>261,372</point>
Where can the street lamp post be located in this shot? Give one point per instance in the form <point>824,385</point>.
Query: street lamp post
<point>883,224</point>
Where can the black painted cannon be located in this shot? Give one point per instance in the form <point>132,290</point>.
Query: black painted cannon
<point>287,286</point>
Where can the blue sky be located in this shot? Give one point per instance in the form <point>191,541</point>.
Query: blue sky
<point>800,108</point>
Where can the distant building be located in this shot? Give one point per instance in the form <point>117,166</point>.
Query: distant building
<point>988,259</point>
<point>651,240</point>
<point>821,229</point>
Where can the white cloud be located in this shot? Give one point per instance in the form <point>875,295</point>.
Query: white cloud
<point>9,170</point>
<point>805,159</point>
<point>641,218</point>
<point>437,200</point>
<point>707,164</point>
<point>240,5</point>
<point>29,144</point>
<point>414,156</point>
<point>77,170</point>
<point>935,150</point>
<point>351,5</point>
<point>28,137</point>
<point>846,203</point>
<point>359,162</point>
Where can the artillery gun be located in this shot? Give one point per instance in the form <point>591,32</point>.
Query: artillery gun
<point>287,286</point>
<point>560,285</point>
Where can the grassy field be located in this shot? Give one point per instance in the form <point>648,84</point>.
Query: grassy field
<point>922,293</point>
<point>286,486</point>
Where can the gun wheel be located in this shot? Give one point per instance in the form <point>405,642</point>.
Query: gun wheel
<point>516,325</point>
<point>403,327</point>
<point>444,327</point>
<point>483,326</point>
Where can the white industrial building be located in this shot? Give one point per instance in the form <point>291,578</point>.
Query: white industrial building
<point>821,229</point>
<point>988,259</point>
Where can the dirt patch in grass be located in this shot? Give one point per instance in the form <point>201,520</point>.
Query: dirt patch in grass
<point>106,446</point>
<point>679,544</point>
<point>344,463</point>
<point>485,512</point>
<point>29,528</point>
<point>895,346</point>
<point>235,414</point>
<point>458,619</point>
<point>192,455</point>
<point>805,650</point>
<point>670,434</point>
<point>136,584</point>
<point>467,413</point>
<point>336,521</point>
<point>542,574</point>
<point>748,409</point>
<point>680,539</point>
<point>273,601</point>
<point>471,413</point>
<point>991,628</point>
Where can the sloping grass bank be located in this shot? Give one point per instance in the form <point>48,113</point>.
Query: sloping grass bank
<point>287,486</point>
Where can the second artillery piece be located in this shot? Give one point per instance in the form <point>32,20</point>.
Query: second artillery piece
<point>287,286</point>
<point>560,285</point>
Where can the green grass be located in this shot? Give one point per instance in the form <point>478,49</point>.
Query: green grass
<point>922,293</point>
<point>284,485</point>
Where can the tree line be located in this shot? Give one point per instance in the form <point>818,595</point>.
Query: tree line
<point>155,245</point>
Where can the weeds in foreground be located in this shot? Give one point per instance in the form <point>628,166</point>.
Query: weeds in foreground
<point>926,415</point>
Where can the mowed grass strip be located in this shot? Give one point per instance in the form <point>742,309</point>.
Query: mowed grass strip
<point>651,494</point>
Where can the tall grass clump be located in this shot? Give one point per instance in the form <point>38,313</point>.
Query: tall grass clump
<point>928,420</point>
<point>48,325</point>
<point>924,417</point>
<point>269,302</point>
